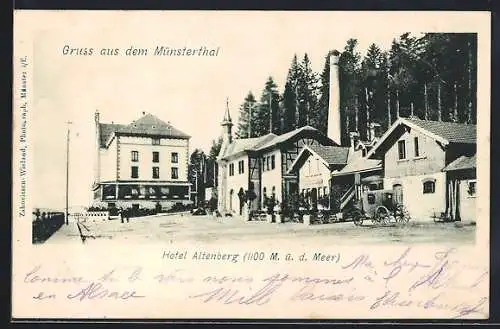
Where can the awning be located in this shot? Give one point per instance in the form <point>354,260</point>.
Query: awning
<point>372,179</point>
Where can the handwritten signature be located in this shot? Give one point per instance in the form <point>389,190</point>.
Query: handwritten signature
<point>396,299</point>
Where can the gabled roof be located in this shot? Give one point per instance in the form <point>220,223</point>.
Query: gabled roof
<point>333,155</point>
<point>462,163</point>
<point>329,155</point>
<point>451,131</point>
<point>244,144</point>
<point>270,141</point>
<point>443,132</point>
<point>148,125</point>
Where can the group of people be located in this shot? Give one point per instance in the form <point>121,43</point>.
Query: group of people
<point>124,215</point>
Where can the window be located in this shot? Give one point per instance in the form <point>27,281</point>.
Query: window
<point>415,144</point>
<point>309,166</point>
<point>175,157</point>
<point>429,186</point>
<point>156,156</point>
<point>156,141</point>
<point>371,198</point>
<point>402,150</point>
<point>273,163</point>
<point>267,163</point>
<point>471,188</point>
<point>175,173</point>
<point>231,169</point>
<point>241,167</point>
<point>135,172</point>
<point>135,156</point>
<point>156,172</point>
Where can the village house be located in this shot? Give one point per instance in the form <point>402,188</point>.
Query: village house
<point>314,166</point>
<point>143,164</point>
<point>256,168</point>
<point>431,167</point>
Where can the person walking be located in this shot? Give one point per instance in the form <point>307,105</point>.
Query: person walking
<point>120,213</point>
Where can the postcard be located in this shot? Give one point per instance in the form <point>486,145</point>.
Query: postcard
<point>251,165</point>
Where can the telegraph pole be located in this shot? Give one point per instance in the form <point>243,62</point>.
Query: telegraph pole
<point>270,113</point>
<point>250,106</point>
<point>67,172</point>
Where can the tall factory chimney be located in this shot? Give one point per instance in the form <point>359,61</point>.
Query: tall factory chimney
<point>334,124</point>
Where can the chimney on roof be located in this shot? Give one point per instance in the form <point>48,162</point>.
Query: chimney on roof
<point>334,124</point>
<point>354,138</point>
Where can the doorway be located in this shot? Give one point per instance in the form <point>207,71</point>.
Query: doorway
<point>314,198</point>
<point>398,193</point>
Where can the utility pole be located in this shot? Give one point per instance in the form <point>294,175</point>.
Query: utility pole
<point>356,118</point>
<point>270,113</point>
<point>426,101</point>
<point>67,172</point>
<point>469,71</point>
<point>250,106</point>
<point>367,106</point>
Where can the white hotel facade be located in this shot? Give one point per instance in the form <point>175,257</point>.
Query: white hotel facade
<point>140,165</point>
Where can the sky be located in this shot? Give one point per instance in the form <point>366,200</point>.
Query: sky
<point>190,92</point>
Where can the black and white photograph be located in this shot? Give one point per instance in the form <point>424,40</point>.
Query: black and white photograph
<point>285,158</point>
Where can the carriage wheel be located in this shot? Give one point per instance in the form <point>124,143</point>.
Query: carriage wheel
<point>402,215</point>
<point>382,215</point>
<point>357,217</point>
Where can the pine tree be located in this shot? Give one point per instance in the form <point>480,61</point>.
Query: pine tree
<point>290,98</point>
<point>246,119</point>
<point>269,110</point>
<point>310,93</point>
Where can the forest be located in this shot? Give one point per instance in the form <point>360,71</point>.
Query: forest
<point>431,76</point>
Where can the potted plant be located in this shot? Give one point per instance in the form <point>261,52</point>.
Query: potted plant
<point>270,203</point>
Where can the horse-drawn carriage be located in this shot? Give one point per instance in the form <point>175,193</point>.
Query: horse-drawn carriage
<point>380,207</point>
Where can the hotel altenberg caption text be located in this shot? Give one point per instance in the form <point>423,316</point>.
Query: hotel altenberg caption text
<point>249,256</point>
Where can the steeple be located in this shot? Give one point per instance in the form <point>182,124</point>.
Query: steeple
<point>227,115</point>
<point>227,125</point>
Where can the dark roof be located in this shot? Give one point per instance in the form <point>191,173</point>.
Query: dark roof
<point>451,131</point>
<point>268,141</point>
<point>462,163</point>
<point>106,129</point>
<point>244,144</point>
<point>443,132</point>
<point>148,125</point>
<point>333,155</point>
